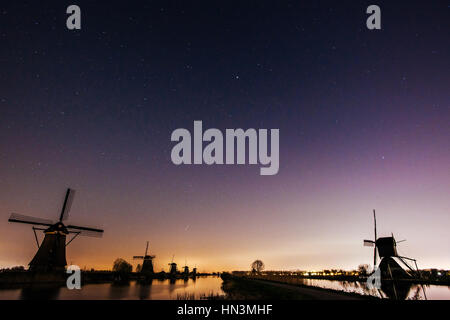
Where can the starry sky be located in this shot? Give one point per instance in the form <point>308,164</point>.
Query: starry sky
<point>363,118</point>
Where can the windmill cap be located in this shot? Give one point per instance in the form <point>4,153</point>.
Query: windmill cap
<point>57,227</point>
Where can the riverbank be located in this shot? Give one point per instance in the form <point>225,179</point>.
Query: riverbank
<point>245,288</point>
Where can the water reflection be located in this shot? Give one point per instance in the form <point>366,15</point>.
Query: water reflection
<point>156,289</point>
<point>119,290</point>
<point>171,286</point>
<point>389,289</point>
<point>204,287</point>
<point>396,290</point>
<point>40,292</point>
<point>144,289</point>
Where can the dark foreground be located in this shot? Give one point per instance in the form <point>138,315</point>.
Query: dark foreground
<point>240,288</point>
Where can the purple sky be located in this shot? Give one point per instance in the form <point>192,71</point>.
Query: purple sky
<point>363,117</point>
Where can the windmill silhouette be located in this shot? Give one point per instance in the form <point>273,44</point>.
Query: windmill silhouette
<point>51,254</point>
<point>386,247</point>
<point>173,267</point>
<point>147,263</point>
<point>185,268</point>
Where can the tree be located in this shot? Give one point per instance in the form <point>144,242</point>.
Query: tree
<point>257,266</point>
<point>363,269</point>
<point>121,266</point>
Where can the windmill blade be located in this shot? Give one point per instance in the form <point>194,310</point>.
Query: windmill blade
<point>369,243</point>
<point>146,249</point>
<point>70,194</point>
<point>20,218</point>
<point>138,257</point>
<point>85,231</point>
<point>375,240</point>
<point>84,228</point>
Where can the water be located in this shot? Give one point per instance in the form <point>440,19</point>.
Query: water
<point>200,288</point>
<point>432,292</point>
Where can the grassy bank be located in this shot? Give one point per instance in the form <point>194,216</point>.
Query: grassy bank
<point>244,288</point>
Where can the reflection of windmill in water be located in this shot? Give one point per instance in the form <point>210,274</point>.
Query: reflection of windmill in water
<point>51,254</point>
<point>173,267</point>
<point>144,289</point>
<point>147,262</point>
<point>390,270</point>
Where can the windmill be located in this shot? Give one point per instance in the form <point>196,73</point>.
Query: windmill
<point>194,271</point>
<point>173,266</point>
<point>186,268</point>
<point>51,254</point>
<point>387,251</point>
<point>147,263</point>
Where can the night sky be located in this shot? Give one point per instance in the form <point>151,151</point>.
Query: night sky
<point>363,117</point>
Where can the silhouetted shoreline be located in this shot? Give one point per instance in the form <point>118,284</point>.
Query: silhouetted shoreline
<point>18,278</point>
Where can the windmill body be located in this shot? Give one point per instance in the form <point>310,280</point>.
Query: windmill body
<point>51,254</point>
<point>186,270</point>
<point>173,268</point>
<point>147,265</point>
<point>387,250</point>
<point>387,247</point>
<point>147,262</point>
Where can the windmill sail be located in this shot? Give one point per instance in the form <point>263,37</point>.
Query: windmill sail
<point>20,218</point>
<point>70,194</point>
<point>375,240</point>
<point>85,231</point>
